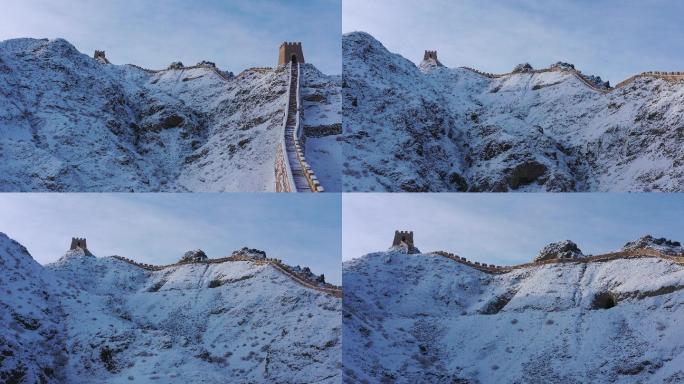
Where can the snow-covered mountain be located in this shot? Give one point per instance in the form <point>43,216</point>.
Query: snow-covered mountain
<point>568,318</point>
<point>69,122</point>
<point>433,128</point>
<point>87,319</point>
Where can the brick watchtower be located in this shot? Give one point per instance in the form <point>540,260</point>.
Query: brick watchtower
<point>101,57</point>
<point>432,55</point>
<point>290,53</point>
<point>404,239</point>
<point>79,243</point>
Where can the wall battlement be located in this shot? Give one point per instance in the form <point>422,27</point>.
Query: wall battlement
<point>278,264</point>
<point>670,76</point>
<point>628,254</point>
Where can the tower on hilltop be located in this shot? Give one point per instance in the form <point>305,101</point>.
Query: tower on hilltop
<point>79,243</point>
<point>404,239</point>
<point>431,55</point>
<point>101,57</point>
<point>290,53</point>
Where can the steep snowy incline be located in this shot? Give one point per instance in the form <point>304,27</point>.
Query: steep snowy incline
<point>241,321</point>
<point>423,318</point>
<point>31,333</point>
<point>322,120</point>
<point>433,128</point>
<point>71,123</point>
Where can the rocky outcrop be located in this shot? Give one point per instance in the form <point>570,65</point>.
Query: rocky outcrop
<point>249,253</point>
<point>194,256</point>
<point>522,68</point>
<point>661,244</point>
<point>565,249</point>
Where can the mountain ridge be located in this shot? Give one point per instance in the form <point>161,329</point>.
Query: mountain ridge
<point>74,123</point>
<point>424,318</point>
<point>415,129</point>
<point>116,322</point>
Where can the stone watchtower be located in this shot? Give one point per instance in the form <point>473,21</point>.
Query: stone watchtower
<point>78,243</point>
<point>101,57</point>
<point>431,55</point>
<point>290,53</point>
<point>404,238</point>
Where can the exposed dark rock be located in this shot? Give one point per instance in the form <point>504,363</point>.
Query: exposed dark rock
<point>660,244</point>
<point>195,256</point>
<point>526,173</point>
<point>525,67</point>
<point>565,249</point>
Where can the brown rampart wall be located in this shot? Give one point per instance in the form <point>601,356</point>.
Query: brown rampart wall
<point>670,76</point>
<point>276,263</point>
<point>497,269</point>
<point>213,69</point>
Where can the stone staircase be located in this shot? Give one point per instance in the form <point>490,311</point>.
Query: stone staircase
<point>291,143</point>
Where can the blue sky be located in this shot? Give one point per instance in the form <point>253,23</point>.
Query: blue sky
<point>236,34</point>
<point>158,228</point>
<point>507,228</point>
<point>614,39</point>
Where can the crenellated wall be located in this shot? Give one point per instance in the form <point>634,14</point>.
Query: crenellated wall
<point>290,164</point>
<point>278,264</point>
<point>497,269</point>
<point>671,76</point>
<point>205,66</point>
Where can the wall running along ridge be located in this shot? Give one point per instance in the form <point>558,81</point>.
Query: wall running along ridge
<point>628,254</point>
<point>285,269</point>
<point>671,76</point>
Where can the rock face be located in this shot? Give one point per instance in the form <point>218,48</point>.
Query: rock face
<point>565,249</point>
<point>103,320</point>
<point>431,128</point>
<point>195,256</point>
<point>250,252</point>
<point>521,68</point>
<point>70,123</point>
<point>659,244</point>
<point>428,319</point>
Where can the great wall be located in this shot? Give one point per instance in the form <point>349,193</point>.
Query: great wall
<point>627,254</point>
<point>405,239</point>
<point>292,172</point>
<point>283,268</point>
<point>669,76</point>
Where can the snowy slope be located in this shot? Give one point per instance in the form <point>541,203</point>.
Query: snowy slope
<point>424,318</point>
<point>239,321</point>
<point>31,335</point>
<point>433,128</point>
<point>71,123</point>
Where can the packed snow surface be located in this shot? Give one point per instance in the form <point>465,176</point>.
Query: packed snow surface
<point>432,128</point>
<point>86,319</point>
<point>423,318</point>
<point>71,123</point>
